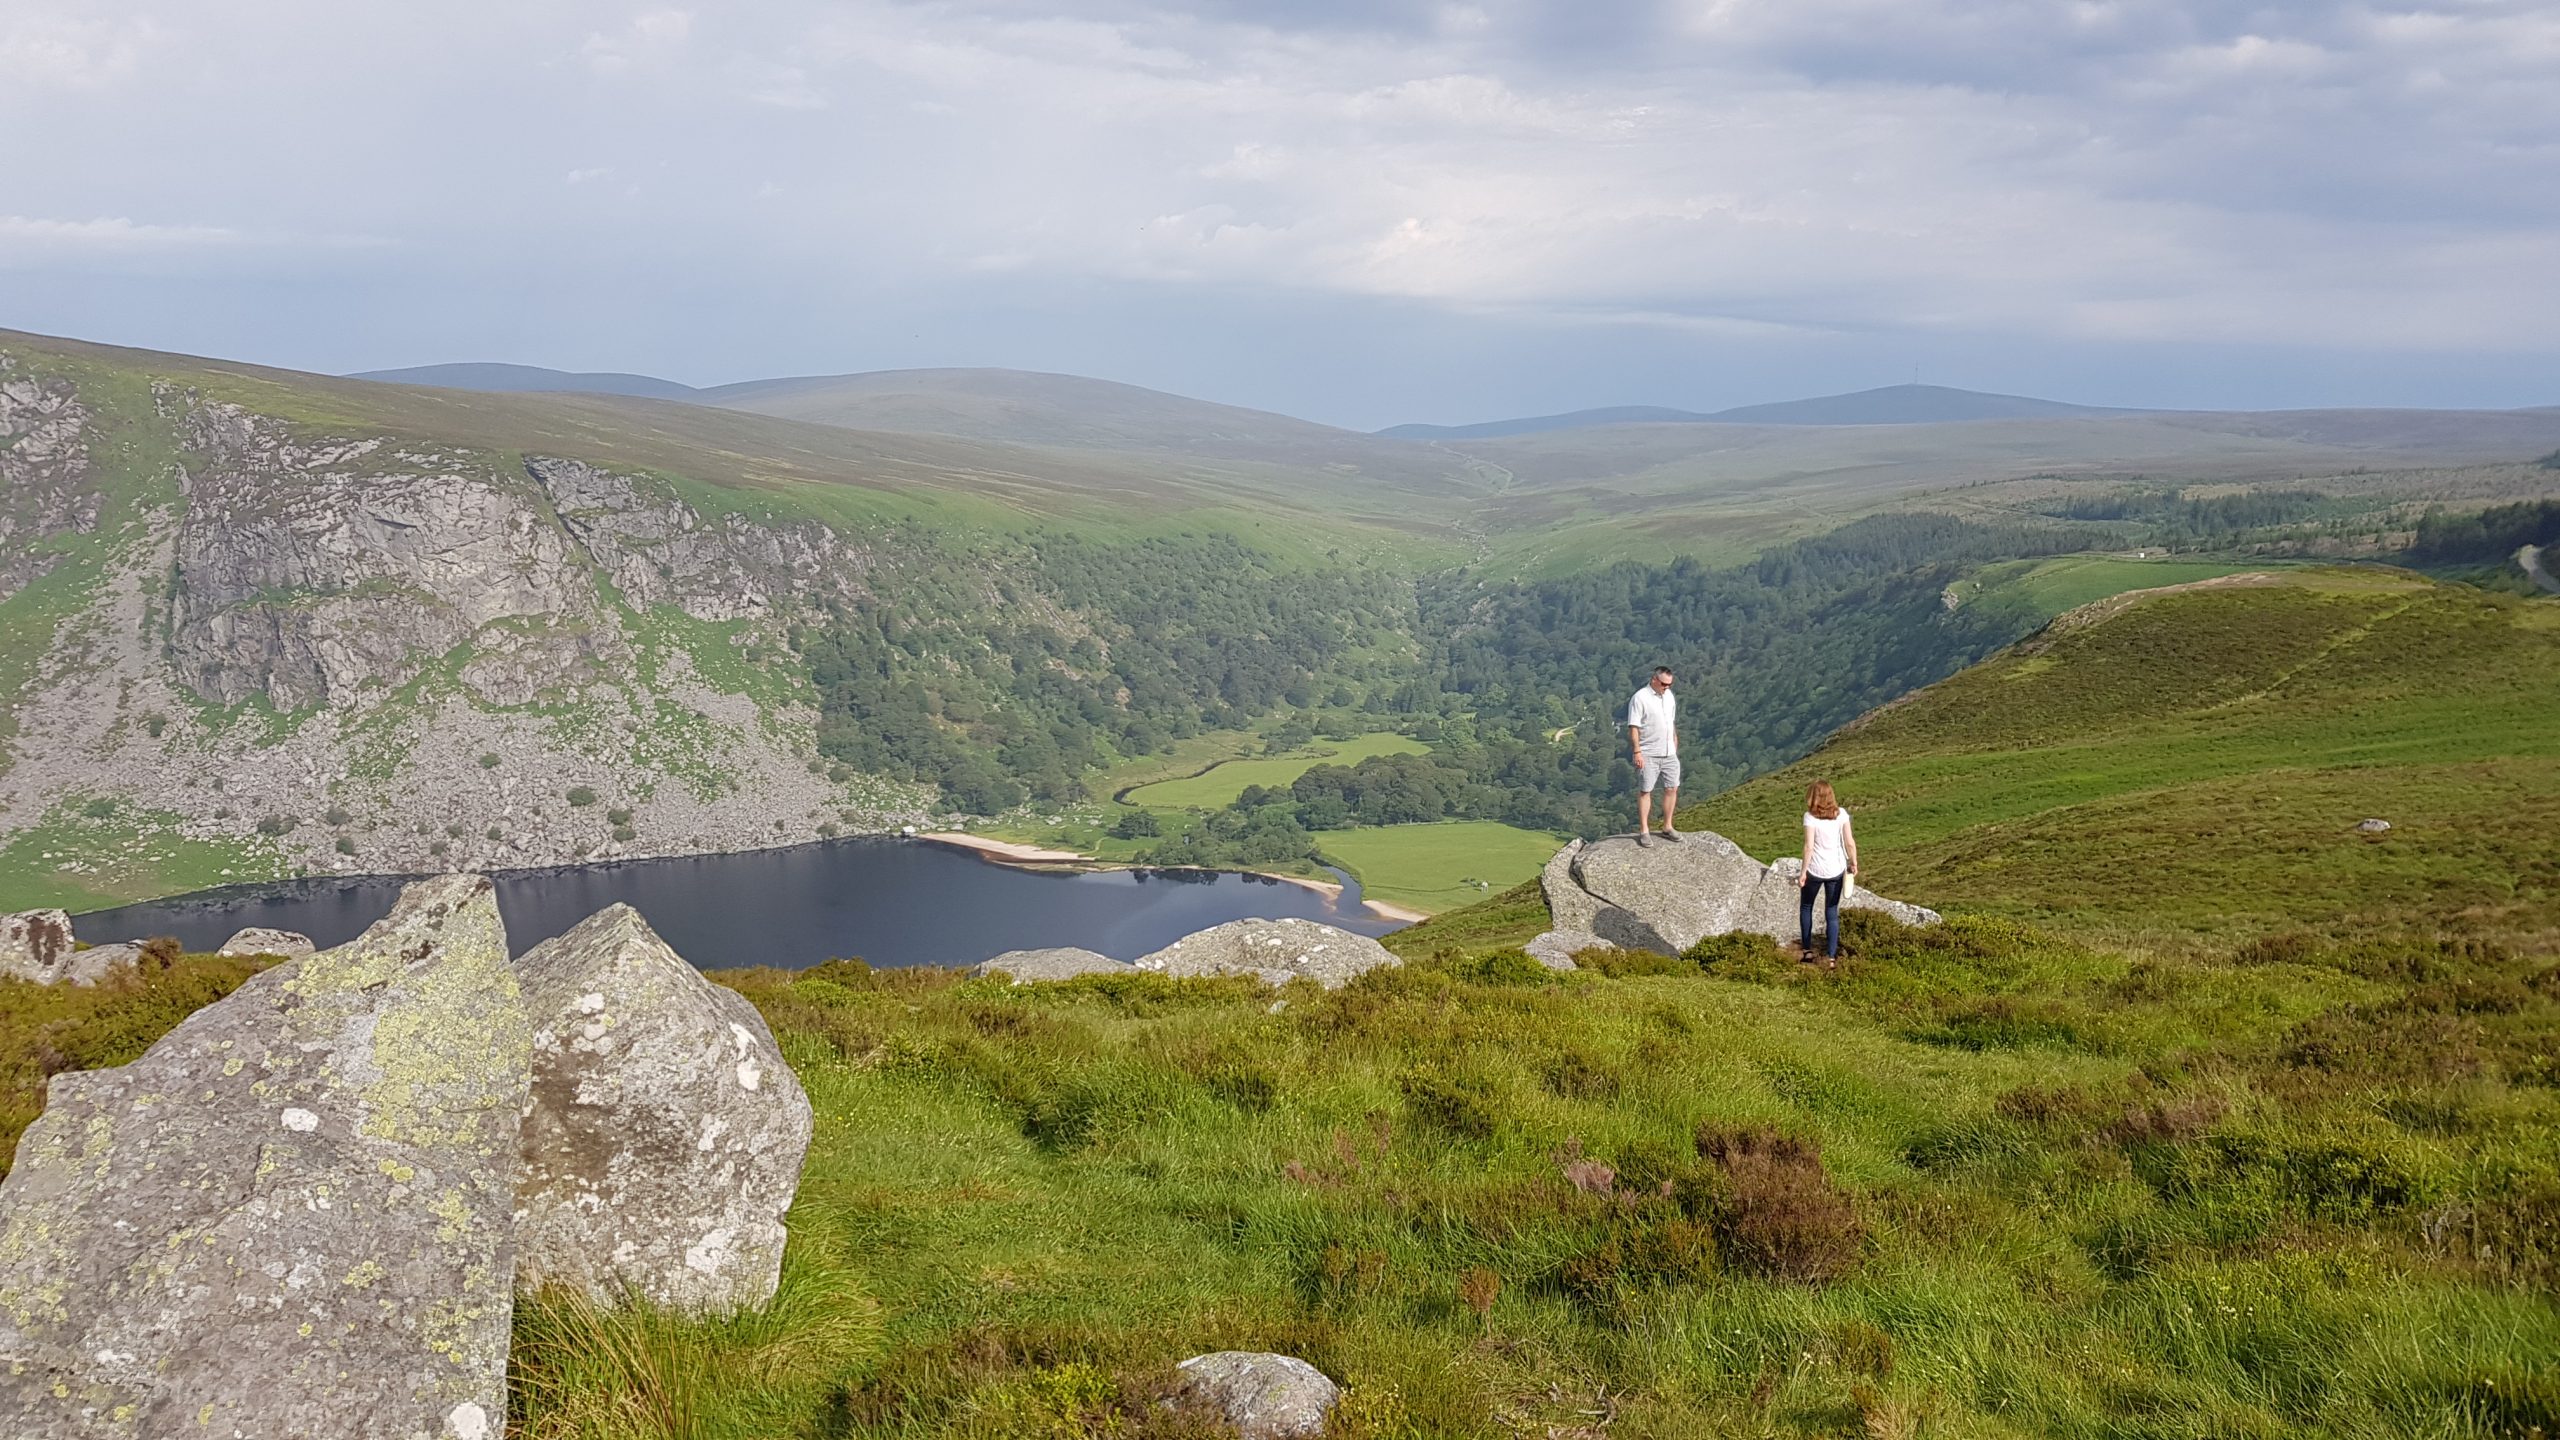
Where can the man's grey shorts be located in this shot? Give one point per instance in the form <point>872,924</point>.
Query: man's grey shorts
<point>1664,768</point>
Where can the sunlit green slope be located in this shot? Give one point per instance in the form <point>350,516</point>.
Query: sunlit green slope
<point>2198,760</point>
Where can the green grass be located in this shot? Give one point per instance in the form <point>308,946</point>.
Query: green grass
<point>1437,867</point>
<point>78,861</point>
<point>2050,587</point>
<point>1225,782</point>
<point>1983,1180</point>
<point>2064,1189</point>
<point>2192,766</point>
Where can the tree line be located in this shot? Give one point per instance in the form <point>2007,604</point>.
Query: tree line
<point>1524,682</point>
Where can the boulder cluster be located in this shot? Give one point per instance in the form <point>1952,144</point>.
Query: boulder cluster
<point>306,1210</point>
<point>1668,896</point>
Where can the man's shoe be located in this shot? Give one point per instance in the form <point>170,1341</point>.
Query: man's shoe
<point>1670,834</point>
<point>1645,838</point>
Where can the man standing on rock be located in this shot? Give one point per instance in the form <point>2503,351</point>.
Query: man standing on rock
<point>1650,717</point>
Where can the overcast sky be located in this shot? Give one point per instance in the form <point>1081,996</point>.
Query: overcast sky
<point>1361,211</point>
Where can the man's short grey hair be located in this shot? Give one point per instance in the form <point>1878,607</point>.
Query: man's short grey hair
<point>1664,670</point>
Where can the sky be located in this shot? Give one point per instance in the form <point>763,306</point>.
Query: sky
<point>1363,212</point>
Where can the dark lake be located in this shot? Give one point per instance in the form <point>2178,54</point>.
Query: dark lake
<point>892,902</point>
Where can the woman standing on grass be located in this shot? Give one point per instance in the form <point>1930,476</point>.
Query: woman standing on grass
<point>1830,858</point>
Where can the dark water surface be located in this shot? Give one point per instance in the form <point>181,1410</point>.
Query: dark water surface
<point>892,902</point>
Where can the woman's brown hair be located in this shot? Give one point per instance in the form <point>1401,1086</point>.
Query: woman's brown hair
<point>1820,802</point>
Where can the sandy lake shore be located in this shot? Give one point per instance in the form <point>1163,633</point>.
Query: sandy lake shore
<point>1001,849</point>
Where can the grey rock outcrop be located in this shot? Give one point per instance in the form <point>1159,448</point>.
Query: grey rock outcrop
<point>34,944</point>
<point>1264,1396</point>
<point>259,940</point>
<point>1667,897</point>
<point>1064,962</point>
<point>1569,906</point>
<point>319,572</point>
<point>45,486</point>
<point>292,1215</point>
<point>1556,948</point>
<point>88,967</point>
<point>1274,951</point>
<point>666,1134</point>
<point>658,550</point>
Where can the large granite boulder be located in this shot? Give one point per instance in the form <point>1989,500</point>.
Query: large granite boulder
<point>1064,962</point>
<point>34,944</point>
<point>293,1215</point>
<point>1570,908</point>
<point>259,940</point>
<point>666,1133</point>
<point>1668,896</point>
<point>1264,1396</point>
<point>1274,951</point>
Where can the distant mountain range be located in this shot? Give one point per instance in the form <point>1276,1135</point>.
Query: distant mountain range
<point>1022,407</point>
<point>1891,405</point>
<point>530,379</point>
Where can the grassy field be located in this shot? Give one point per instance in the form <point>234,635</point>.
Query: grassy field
<point>2050,587</point>
<point>2193,766</point>
<point>1227,781</point>
<point>1431,868</point>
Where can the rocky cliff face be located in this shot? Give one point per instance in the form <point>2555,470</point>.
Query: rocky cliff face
<point>345,651</point>
<point>657,550</point>
<point>321,573</point>
<point>43,473</point>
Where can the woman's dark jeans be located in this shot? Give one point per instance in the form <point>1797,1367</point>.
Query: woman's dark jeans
<point>1830,891</point>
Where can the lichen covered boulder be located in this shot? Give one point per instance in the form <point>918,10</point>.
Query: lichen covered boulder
<point>1263,1396</point>
<point>291,1216</point>
<point>666,1134</point>
<point>34,944</point>
<point>259,940</point>
<point>1064,962</point>
<point>1274,951</point>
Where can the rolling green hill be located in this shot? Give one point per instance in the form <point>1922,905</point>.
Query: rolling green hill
<point>2192,765</point>
<point>1070,412</point>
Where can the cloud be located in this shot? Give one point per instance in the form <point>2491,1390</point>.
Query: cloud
<point>2064,172</point>
<point>109,233</point>
<point>46,47</point>
<point>650,38</point>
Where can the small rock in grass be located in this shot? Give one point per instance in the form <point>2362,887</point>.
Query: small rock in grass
<point>1273,951</point>
<point>1264,1396</point>
<point>2374,827</point>
<point>1064,962</point>
<point>1556,948</point>
<point>259,940</point>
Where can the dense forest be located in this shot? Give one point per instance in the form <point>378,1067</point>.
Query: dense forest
<point>1526,683</point>
<point>1014,682</point>
<point>2166,515</point>
<point>1022,673</point>
<point>2484,537</point>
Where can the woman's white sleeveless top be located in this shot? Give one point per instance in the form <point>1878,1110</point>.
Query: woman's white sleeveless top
<point>1830,845</point>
